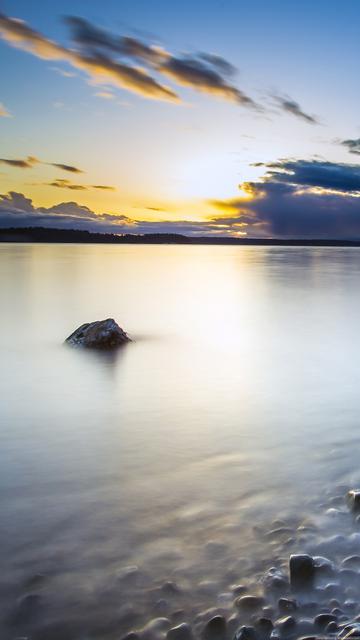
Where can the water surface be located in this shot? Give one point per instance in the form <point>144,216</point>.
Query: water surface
<point>237,403</point>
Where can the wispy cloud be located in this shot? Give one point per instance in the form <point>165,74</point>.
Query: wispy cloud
<point>292,107</point>
<point>65,167</point>
<point>31,161</point>
<point>115,59</point>
<point>61,183</point>
<point>96,63</point>
<point>4,113</point>
<point>352,145</point>
<point>20,163</point>
<point>66,184</point>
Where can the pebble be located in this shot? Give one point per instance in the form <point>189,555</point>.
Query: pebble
<point>181,632</point>
<point>323,619</point>
<point>249,602</point>
<point>287,604</point>
<point>245,633</point>
<point>215,628</point>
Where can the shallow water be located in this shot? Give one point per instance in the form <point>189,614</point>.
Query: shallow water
<point>237,403</point>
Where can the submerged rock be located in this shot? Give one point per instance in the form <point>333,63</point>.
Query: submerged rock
<point>102,334</point>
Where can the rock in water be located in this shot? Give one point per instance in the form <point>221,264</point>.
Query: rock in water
<point>103,334</point>
<point>302,570</point>
<point>354,499</point>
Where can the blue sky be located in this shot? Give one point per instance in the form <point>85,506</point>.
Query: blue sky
<point>170,162</point>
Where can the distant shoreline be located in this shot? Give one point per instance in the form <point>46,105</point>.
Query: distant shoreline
<point>72,236</point>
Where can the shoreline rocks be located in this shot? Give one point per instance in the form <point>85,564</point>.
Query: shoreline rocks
<point>101,334</point>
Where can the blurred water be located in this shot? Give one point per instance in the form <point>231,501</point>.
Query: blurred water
<point>237,402</point>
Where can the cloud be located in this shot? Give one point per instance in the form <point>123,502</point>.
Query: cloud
<point>294,199</point>
<point>67,184</point>
<point>193,72</point>
<point>31,161</point>
<point>104,187</point>
<point>107,95</point>
<point>21,163</point>
<point>65,167</point>
<point>115,59</point>
<point>299,199</point>
<point>352,145</point>
<point>18,211</point>
<point>99,66</point>
<point>4,113</point>
<point>313,173</point>
<point>290,106</point>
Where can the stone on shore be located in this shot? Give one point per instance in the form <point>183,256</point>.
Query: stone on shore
<point>102,334</point>
<point>302,570</point>
<point>354,499</point>
<point>181,632</point>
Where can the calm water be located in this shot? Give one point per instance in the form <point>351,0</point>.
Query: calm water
<point>237,403</point>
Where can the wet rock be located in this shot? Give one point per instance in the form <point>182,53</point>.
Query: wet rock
<point>287,604</point>
<point>351,562</point>
<point>275,580</point>
<point>102,334</point>
<point>302,570</point>
<point>245,633</point>
<point>286,624</point>
<point>332,627</point>
<point>264,626</point>
<point>170,588</point>
<point>155,629</point>
<point>353,497</point>
<point>239,589</point>
<point>349,576</point>
<point>215,629</point>
<point>181,632</point>
<point>249,603</point>
<point>323,619</point>
<point>331,589</point>
<point>351,630</point>
<point>323,566</point>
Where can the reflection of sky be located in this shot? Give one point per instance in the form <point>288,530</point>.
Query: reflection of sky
<point>177,156</point>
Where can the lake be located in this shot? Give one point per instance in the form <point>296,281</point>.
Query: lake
<point>144,484</point>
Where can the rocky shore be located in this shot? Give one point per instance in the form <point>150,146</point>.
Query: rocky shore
<point>309,589</point>
<point>308,596</point>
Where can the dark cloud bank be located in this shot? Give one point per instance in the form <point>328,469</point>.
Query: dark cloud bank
<point>294,199</point>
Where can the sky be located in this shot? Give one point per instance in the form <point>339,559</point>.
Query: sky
<point>217,117</point>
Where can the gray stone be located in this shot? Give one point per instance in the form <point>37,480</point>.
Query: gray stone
<point>285,624</point>
<point>302,570</point>
<point>249,603</point>
<point>215,628</point>
<point>103,334</point>
<point>245,633</point>
<point>323,619</point>
<point>181,632</point>
<point>287,604</point>
<point>354,499</point>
